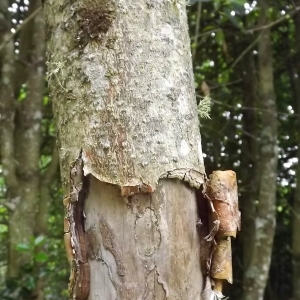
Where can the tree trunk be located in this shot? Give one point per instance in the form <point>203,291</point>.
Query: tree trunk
<point>121,82</point>
<point>249,159</point>
<point>257,273</point>
<point>21,123</point>
<point>296,207</point>
<point>27,148</point>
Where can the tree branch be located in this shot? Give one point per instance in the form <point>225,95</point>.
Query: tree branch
<point>52,168</point>
<point>28,19</point>
<point>7,107</point>
<point>283,18</point>
<point>198,20</point>
<point>245,51</point>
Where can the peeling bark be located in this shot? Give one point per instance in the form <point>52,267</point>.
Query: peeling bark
<point>121,81</point>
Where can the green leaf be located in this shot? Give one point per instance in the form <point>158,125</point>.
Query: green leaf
<point>239,2</point>
<point>45,100</point>
<point>30,283</point>
<point>23,247</point>
<point>41,257</point>
<point>209,28</point>
<point>3,228</point>
<point>39,240</point>
<point>220,38</point>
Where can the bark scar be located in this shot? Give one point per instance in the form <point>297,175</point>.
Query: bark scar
<point>110,245</point>
<point>74,232</point>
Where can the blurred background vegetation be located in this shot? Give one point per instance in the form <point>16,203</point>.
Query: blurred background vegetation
<point>226,39</point>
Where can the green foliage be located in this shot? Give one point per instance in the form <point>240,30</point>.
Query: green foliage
<point>225,138</point>
<point>22,94</point>
<point>3,228</point>
<point>227,28</point>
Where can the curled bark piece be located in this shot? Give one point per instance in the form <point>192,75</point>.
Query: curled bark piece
<point>214,223</point>
<point>68,246</point>
<point>131,190</point>
<point>221,188</point>
<point>223,222</point>
<point>221,267</point>
<point>75,237</point>
<point>82,288</point>
<point>193,177</point>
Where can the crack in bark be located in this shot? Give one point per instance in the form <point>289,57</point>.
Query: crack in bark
<point>152,272</point>
<point>110,245</point>
<point>109,273</point>
<point>162,283</point>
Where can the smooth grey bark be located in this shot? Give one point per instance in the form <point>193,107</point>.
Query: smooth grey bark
<point>121,82</point>
<point>257,274</point>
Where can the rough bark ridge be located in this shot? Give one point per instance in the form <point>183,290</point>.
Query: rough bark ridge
<point>257,272</point>
<point>121,81</point>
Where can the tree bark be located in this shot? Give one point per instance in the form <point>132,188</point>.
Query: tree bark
<point>21,123</point>
<point>249,173</point>
<point>257,273</point>
<point>250,158</point>
<point>27,149</point>
<point>121,82</point>
<point>296,207</point>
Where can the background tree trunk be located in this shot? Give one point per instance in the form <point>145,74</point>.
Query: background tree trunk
<point>122,86</point>
<point>21,122</point>
<point>258,270</point>
<point>250,173</point>
<point>296,207</point>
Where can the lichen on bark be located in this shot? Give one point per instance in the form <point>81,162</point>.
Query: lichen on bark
<point>126,99</point>
<point>129,99</point>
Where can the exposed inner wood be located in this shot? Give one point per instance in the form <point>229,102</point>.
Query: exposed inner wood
<point>135,251</point>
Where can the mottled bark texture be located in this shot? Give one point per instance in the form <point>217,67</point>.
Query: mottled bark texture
<point>121,82</point>
<point>21,132</point>
<point>145,246</point>
<point>250,174</point>
<point>257,273</point>
<point>296,207</point>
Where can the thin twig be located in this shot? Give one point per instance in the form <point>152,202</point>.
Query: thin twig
<point>205,33</point>
<point>247,31</point>
<point>249,108</point>
<point>225,84</point>
<point>198,20</point>
<point>29,18</point>
<point>245,51</point>
<point>284,18</point>
<point>52,168</point>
